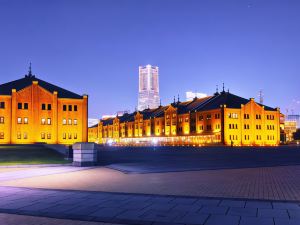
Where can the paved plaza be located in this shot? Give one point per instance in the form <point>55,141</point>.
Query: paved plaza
<point>193,188</point>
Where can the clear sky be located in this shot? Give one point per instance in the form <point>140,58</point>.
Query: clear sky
<point>96,46</point>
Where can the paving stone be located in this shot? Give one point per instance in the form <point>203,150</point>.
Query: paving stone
<point>161,206</point>
<point>111,203</point>
<point>233,203</point>
<point>214,210</point>
<point>276,213</point>
<point>258,204</point>
<point>256,221</point>
<point>131,214</point>
<point>37,206</point>
<point>236,211</point>
<point>162,199</point>
<point>59,208</point>
<point>294,213</point>
<point>16,205</point>
<point>187,208</point>
<point>223,220</point>
<point>107,212</point>
<point>185,201</point>
<point>285,205</point>
<point>193,218</point>
<point>280,221</point>
<point>208,202</point>
<point>83,210</point>
<point>135,205</point>
<point>162,216</point>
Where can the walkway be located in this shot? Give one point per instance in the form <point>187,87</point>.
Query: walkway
<point>145,209</point>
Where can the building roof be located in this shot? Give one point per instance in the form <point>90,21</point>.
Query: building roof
<point>96,125</point>
<point>197,104</point>
<point>5,89</point>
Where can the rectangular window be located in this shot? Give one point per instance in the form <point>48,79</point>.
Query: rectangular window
<point>64,108</point>
<point>43,106</point>
<point>64,121</point>
<point>49,107</point>
<point>69,121</point>
<point>25,105</point>
<point>201,117</point>
<point>25,136</point>
<point>18,135</point>
<point>75,136</point>
<point>25,120</point>
<point>43,121</point>
<point>1,135</point>
<point>70,136</point>
<point>70,107</point>
<point>48,135</point>
<point>42,135</point>
<point>75,122</point>
<point>208,116</point>
<point>2,105</point>
<point>75,108</point>
<point>19,105</point>
<point>19,120</point>
<point>49,121</point>
<point>1,120</point>
<point>64,136</point>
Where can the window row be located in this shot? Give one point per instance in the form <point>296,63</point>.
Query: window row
<point>22,105</point>
<point>270,137</point>
<point>70,108</point>
<point>185,120</point>
<point>21,120</point>
<point>270,117</point>
<point>44,121</point>
<point>69,136</point>
<point>233,115</point>
<point>258,127</point>
<point>233,137</point>
<point>270,127</point>
<point>43,135</point>
<point>75,122</point>
<point>233,126</point>
<point>19,135</point>
<point>46,106</point>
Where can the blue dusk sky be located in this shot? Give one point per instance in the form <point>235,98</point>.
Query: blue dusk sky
<point>96,46</point>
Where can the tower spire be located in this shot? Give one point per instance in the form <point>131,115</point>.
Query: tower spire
<point>178,98</point>
<point>223,88</point>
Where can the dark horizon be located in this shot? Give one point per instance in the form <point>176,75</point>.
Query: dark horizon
<point>95,48</point>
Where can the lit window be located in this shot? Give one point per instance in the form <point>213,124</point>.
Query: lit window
<point>43,121</point>
<point>1,119</point>
<point>64,121</point>
<point>25,120</point>
<point>69,121</point>
<point>70,136</point>
<point>25,105</point>
<point>64,136</point>
<point>1,135</point>
<point>49,136</point>
<point>18,135</point>
<point>75,136</point>
<point>19,120</point>
<point>42,135</point>
<point>75,122</point>
<point>25,135</point>
<point>49,121</point>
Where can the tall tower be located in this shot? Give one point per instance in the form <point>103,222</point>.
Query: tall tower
<point>148,87</point>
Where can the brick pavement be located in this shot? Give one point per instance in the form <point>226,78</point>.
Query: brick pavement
<point>269,183</point>
<point>146,209</point>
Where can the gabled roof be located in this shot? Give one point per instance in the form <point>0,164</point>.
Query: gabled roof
<point>5,89</point>
<point>96,125</point>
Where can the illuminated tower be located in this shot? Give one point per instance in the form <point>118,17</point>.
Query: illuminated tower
<point>148,87</point>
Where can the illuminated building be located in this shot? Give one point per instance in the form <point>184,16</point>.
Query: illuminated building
<point>222,118</point>
<point>32,110</point>
<point>290,127</point>
<point>148,87</point>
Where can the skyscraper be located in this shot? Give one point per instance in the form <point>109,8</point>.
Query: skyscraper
<point>148,87</point>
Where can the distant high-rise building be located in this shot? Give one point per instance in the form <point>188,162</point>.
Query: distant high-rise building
<point>148,87</point>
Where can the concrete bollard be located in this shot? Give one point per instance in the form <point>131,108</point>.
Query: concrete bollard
<point>84,154</point>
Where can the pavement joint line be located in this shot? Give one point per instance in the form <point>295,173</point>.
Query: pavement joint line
<point>159,195</point>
